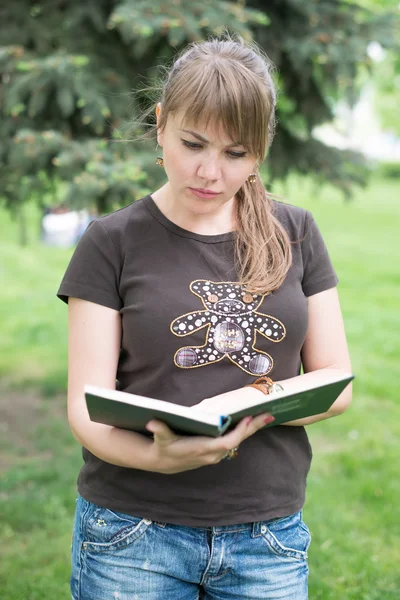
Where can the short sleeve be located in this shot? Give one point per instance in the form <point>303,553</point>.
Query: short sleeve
<point>94,269</point>
<point>318,273</point>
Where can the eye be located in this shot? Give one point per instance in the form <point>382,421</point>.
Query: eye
<point>195,146</point>
<point>237,154</point>
<point>191,145</point>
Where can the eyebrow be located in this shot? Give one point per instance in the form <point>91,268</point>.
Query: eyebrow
<point>205,141</point>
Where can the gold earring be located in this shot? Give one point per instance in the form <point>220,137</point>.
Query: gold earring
<point>160,161</point>
<point>252,178</point>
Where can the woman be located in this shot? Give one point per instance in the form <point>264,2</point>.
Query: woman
<point>165,516</point>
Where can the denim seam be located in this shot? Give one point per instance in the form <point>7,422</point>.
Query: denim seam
<point>280,549</point>
<point>121,534</point>
<point>241,530</point>
<point>203,579</point>
<point>80,553</point>
<point>103,546</point>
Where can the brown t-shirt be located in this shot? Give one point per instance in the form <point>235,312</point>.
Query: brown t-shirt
<point>190,332</point>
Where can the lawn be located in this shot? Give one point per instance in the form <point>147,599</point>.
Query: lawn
<point>354,483</point>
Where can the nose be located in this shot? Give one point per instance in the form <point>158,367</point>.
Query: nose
<point>209,169</point>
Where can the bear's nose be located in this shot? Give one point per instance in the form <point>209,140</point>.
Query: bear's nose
<point>227,305</point>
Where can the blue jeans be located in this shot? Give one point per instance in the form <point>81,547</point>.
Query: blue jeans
<point>119,557</point>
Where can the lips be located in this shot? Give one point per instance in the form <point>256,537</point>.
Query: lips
<point>203,193</point>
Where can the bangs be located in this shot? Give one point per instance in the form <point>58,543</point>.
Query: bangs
<point>228,100</point>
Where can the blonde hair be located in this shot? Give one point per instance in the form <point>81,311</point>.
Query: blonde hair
<point>227,82</point>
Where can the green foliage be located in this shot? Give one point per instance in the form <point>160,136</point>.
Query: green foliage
<point>138,22</point>
<point>319,48</point>
<point>389,170</point>
<point>386,75</point>
<point>342,168</point>
<point>67,70</point>
<point>108,181</point>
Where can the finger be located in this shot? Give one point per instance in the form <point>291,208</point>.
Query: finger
<point>162,433</point>
<point>258,423</point>
<point>236,436</point>
<point>246,428</point>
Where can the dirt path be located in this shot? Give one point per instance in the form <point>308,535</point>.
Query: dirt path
<point>22,412</point>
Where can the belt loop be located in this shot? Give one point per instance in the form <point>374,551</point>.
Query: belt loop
<point>256,529</point>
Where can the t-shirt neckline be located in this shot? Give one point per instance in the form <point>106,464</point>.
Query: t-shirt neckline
<point>163,220</point>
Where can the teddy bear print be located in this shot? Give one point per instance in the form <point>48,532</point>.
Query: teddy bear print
<point>231,321</point>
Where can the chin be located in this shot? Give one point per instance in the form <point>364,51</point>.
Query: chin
<point>204,205</point>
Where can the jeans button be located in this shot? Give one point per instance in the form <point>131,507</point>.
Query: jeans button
<point>147,521</point>
<point>263,529</point>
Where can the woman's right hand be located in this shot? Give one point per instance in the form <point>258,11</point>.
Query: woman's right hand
<point>172,453</point>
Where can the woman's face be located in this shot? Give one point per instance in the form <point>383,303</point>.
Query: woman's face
<point>205,167</point>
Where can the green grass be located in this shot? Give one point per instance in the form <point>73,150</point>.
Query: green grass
<point>354,483</point>
<point>34,321</point>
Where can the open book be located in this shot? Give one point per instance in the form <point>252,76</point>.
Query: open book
<point>129,411</point>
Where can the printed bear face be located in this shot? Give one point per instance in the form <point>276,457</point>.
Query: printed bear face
<point>226,298</point>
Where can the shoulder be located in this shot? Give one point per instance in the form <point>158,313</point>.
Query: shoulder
<point>118,224</point>
<point>293,218</point>
<point>118,220</point>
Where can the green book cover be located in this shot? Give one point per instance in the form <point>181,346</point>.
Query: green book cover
<point>129,411</point>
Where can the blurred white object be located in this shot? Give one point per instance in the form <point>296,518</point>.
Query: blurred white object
<point>63,229</point>
<point>358,128</point>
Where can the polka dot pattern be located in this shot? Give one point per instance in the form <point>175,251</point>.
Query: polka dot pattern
<point>230,321</point>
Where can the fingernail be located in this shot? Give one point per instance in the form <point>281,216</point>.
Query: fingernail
<point>249,420</point>
<point>269,420</point>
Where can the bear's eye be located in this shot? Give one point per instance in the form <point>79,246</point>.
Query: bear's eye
<point>247,298</point>
<point>212,298</point>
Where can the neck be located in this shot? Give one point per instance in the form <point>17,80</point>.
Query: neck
<point>202,218</point>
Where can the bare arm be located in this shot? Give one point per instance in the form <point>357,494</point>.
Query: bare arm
<point>93,351</point>
<point>325,347</point>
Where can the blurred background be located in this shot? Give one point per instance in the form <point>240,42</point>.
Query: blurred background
<point>72,85</point>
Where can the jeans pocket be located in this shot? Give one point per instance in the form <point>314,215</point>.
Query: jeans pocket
<point>110,530</point>
<point>288,536</point>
